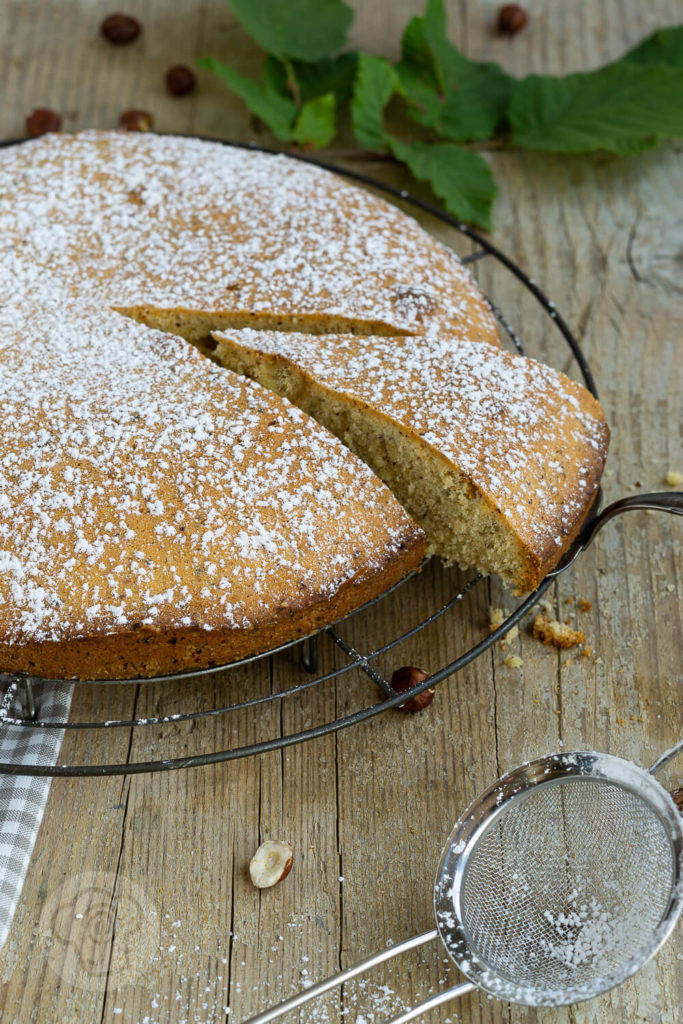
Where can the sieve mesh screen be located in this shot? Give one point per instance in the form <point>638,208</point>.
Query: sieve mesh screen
<point>567,884</point>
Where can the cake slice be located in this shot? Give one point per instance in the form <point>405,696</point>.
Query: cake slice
<point>496,456</point>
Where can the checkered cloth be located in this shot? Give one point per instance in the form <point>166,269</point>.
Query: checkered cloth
<point>22,797</point>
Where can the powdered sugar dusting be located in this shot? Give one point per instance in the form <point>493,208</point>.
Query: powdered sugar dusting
<point>529,438</point>
<point>168,222</point>
<point>142,484</point>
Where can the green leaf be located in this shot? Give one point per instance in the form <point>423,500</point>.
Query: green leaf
<point>662,47</point>
<point>476,105</point>
<point>458,98</point>
<point>275,77</point>
<point>415,49</point>
<point>426,39</point>
<point>316,123</point>
<point>623,108</point>
<point>376,82</point>
<point>461,178</point>
<point>275,110</point>
<point>300,29</point>
<point>335,75</point>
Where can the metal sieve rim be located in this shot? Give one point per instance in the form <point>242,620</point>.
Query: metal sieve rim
<point>486,809</point>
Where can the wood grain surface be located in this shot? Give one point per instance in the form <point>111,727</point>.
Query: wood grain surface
<point>138,908</point>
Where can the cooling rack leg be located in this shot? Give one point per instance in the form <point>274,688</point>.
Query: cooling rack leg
<point>309,653</point>
<point>28,701</point>
<point>362,662</point>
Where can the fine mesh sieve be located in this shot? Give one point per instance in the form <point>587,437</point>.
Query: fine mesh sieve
<point>559,882</point>
<point>556,883</point>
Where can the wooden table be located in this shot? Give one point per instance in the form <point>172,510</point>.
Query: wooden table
<point>138,907</point>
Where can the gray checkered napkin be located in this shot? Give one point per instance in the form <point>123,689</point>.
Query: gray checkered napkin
<point>22,797</point>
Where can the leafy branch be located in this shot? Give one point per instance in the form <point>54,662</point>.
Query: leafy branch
<point>625,107</point>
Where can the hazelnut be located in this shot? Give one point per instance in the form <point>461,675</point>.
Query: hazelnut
<point>405,679</point>
<point>677,794</point>
<point>511,19</point>
<point>136,121</point>
<point>271,863</point>
<point>42,120</point>
<point>180,80</point>
<point>120,29</point>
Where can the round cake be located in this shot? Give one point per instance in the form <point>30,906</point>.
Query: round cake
<point>159,512</point>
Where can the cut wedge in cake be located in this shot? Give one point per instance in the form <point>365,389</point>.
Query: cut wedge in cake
<point>159,512</point>
<point>496,456</point>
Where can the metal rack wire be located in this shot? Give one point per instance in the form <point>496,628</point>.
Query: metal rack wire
<point>21,695</point>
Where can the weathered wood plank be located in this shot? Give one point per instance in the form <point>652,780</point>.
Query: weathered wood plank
<point>174,929</point>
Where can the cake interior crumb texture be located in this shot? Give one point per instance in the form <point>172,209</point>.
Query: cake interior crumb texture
<point>459,523</point>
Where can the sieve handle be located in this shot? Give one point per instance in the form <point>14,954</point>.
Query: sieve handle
<point>433,1001</point>
<point>667,756</point>
<point>660,501</point>
<point>339,979</point>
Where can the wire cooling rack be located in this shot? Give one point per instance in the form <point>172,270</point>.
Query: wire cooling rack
<point>266,711</point>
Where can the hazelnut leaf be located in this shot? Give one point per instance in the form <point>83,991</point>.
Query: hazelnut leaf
<point>459,99</point>
<point>376,82</point>
<point>460,177</point>
<point>663,47</point>
<point>299,29</point>
<point>275,110</point>
<point>335,75</point>
<point>316,123</point>
<point>622,108</point>
<point>311,80</point>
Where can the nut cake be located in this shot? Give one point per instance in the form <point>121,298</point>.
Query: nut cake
<point>159,512</point>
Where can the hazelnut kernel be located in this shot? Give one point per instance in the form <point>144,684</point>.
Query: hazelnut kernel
<point>41,121</point>
<point>120,29</point>
<point>511,19</point>
<point>180,80</point>
<point>405,679</point>
<point>136,121</point>
<point>271,863</point>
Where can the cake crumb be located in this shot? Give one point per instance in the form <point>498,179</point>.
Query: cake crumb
<point>586,652</point>
<point>496,616</point>
<point>585,605</point>
<point>673,478</point>
<point>511,635</point>
<point>556,634</point>
<point>513,661</point>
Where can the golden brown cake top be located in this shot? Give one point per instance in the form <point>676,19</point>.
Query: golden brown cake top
<point>170,222</point>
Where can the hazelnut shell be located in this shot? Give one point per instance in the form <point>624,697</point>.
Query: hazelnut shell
<point>405,679</point>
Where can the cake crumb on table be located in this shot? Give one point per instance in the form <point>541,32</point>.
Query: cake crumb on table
<point>511,635</point>
<point>673,478</point>
<point>513,661</point>
<point>496,616</point>
<point>556,634</point>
